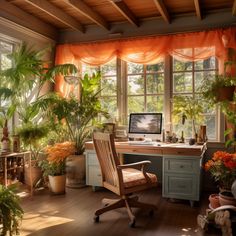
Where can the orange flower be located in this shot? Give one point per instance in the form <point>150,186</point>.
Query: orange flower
<point>59,152</point>
<point>222,167</point>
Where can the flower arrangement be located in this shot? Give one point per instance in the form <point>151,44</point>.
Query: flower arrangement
<point>222,167</point>
<point>55,164</point>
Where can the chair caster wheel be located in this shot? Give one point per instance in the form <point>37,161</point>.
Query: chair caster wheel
<point>132,224</point>
<point>151,213</point>
<point>96,219</point>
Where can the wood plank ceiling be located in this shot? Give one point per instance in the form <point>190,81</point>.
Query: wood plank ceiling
<point>50,17</point>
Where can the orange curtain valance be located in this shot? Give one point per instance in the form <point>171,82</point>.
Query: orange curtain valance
<point>149,50</point>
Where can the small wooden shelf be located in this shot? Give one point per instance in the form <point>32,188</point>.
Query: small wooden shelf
<point>11,174</point>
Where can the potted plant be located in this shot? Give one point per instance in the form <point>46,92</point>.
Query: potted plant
<point>11,212</point>
<point>222,167</point>
<point>218,89</point>
<point>55,165</point>
<point>187,107</point>
<point>32,136</point>
<point>22,84</point>
<point>80,116</point>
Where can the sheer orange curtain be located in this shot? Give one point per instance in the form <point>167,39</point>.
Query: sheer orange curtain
<point>149,50</point>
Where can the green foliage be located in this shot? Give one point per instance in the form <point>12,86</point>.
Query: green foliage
<point>79,114</point>
<point>29,72</point>
<point>11,212</point>
<point>211,85</point>
<point>32,135</point>
<point>53,169</point>
<point>187,107</point>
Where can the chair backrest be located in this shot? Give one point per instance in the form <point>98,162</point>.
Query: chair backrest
<point>108,159</point>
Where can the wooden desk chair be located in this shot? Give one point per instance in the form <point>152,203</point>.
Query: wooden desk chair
<point>121,179</point>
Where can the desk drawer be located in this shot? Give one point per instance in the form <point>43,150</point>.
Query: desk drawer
<point>182,151</point>
<point>92,159</point>
<point>178,165</point>
<point>94,176</point>
<point>181,187</point>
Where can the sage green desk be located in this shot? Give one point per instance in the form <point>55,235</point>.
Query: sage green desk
<point>181,167</point>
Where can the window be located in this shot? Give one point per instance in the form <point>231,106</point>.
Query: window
<point>145,87</point>
<point>131,88</point>
<point>186,80</point>
<point>5,63</point>
<point>108,94</point>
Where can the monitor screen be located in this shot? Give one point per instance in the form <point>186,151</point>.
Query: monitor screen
<point>145,123</point>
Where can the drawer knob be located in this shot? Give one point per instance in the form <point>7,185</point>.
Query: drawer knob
<point>181,166</point>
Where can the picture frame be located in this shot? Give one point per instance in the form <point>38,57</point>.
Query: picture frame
<point>109,128</point>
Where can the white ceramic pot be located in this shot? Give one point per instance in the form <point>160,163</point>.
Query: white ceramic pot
<point>57,184</point>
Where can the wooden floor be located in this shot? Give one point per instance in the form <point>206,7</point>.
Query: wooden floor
<point>72,214</point>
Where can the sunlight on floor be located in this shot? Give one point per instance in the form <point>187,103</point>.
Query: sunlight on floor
<point>41,220</point>
<point>189,231</point>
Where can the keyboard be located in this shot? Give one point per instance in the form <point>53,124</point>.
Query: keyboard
<point>150,143</point>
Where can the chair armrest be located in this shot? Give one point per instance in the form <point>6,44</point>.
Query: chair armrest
<point>139,164</point>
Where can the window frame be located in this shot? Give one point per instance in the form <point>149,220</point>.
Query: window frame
<point>122,97</point>
<point>218,116</point>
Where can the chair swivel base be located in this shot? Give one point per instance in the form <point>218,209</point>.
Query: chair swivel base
<point>128,202</point>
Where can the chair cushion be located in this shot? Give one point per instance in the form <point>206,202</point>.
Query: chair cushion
<point>133,177</point>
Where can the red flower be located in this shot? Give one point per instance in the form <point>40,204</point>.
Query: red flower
<point>222,167</point>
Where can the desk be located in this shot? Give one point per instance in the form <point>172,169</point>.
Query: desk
<point>181,167</point>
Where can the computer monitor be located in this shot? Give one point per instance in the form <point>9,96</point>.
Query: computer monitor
<point>145,125</point>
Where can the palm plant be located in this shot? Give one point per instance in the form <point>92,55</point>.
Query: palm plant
<point>24,80</point>
<point>21,85</point>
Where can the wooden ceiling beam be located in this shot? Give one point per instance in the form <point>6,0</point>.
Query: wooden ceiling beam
<point>20,17</point>
<point>234,8</point>
<point>56,13</point>
<point>198,9</point>
<point>84,9</point>
<point>162,9</point>
<point>125,11</point>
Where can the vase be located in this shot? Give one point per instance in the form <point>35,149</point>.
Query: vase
<point>75,171</point>
<point>214,200</point>
<point>33,174</point>
<point>227,198</point>
<point>57,184</point>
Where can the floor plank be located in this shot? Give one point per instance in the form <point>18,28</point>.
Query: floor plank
<point>72,214</point>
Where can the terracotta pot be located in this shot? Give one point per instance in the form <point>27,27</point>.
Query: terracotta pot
<point>225,93</point>
<point>227,198</point>
<point>36,175</point>
<point>214,200</point>
<point>75,171</point>
<point>57,184</point>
